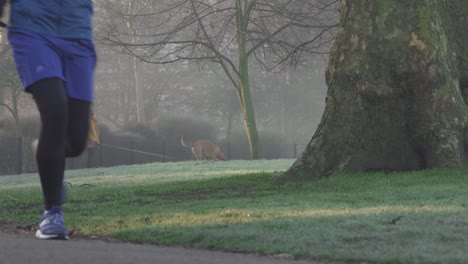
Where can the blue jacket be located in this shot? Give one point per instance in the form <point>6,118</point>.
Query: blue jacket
<point>57,18</point>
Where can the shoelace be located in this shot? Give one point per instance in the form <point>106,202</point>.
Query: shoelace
<point>54,218</point>
<point>57,219</point>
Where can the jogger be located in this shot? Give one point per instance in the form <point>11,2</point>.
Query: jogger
<point>55,59</point>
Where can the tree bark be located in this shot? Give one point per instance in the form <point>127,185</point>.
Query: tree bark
<point>243,92</point>
<point>393,100</point>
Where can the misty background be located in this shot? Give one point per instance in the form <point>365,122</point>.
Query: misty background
<point>143,103</point>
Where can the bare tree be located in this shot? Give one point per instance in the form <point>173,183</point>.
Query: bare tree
<point>10,85</point>
<point>129,24</point>
<point>229,32</point>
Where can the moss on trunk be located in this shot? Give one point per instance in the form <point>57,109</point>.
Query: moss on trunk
<point>393,99</point>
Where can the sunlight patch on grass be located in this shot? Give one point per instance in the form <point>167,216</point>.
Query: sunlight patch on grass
<point>107,225</point>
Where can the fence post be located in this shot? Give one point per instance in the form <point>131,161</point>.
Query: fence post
<point>100,155</point>
<point>228,148</point>
<point>164,150</point>
<point>131,152</point>
<point>19,169</point>
<point>90,157</point>
<point>295,150</point>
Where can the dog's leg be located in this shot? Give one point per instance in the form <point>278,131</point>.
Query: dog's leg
<point>198,154</point>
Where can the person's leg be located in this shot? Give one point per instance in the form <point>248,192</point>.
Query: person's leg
<point>39,66</point>
<point>78,126</point>
<point>79,63</point>
<point>52,102</point>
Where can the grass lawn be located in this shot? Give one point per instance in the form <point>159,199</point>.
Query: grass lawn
<point>414,217</point>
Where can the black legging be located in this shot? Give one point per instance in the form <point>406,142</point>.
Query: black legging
<point>64,132</point>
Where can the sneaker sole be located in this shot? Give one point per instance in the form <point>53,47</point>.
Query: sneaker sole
<point>57,236</point>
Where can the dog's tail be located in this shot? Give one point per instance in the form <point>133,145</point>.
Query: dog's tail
<point>182,142</point>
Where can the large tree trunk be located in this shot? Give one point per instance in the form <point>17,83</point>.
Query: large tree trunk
<point>393,99</point>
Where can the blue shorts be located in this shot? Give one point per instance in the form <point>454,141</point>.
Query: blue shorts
<point>39,57</point>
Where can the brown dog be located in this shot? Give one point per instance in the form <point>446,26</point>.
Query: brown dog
<point>202,149</point>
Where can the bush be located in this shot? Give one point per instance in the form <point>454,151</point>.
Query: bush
<point>30,127</point>
<point>138,129</point>
<point>273,145</point>
<point>133,144</point>
<point>171,128</point>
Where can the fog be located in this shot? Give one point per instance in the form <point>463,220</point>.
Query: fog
<point>290,102</point>
<point>139,92</point>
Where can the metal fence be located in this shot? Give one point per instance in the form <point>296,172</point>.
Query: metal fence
<point>16,154</point>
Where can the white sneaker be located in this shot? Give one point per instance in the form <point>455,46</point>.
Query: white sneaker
<point>51,225</point>
<point>34,147</point>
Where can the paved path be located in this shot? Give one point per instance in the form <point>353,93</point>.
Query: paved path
<point>25,249</point>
